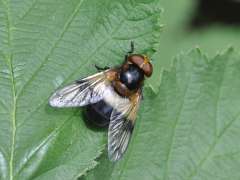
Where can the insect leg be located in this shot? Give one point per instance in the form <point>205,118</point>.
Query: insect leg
<point>131,50</point>
<point>101,68</point>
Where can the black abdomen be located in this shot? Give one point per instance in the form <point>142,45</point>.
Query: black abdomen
<point>99,114</point>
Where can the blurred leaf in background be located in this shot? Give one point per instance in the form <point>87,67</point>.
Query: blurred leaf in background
<point>190,129</point>
<point>46,44</point>
<point>211,25</point>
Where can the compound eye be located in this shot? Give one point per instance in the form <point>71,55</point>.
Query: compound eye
<point>148,69</point>
<point>143,63</point>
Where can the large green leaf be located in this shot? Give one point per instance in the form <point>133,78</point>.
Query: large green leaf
<point>44,44</point>
<point>190,129</point>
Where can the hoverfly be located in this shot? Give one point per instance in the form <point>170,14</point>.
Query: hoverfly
<point>112,96</point>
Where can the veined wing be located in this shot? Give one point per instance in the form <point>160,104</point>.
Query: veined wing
<point>121,126</point>
<point>82,92</point>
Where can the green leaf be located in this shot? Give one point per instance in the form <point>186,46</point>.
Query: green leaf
<point>190,129</point>
<point>43,45</point>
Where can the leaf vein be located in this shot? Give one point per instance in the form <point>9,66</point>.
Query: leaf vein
<point>66,26</point>
<point>49,137</point>
<point>28,10</point>
<point>174,129</point>
<point>74,71</point>
<point>215,118</point>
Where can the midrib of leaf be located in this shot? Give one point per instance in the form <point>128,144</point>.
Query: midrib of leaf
<point>9,61</point>
<point>65,28</point>
<point>13,122</point>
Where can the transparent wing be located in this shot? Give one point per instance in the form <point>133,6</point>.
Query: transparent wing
<point>121,126</point>
<point>82,92</point>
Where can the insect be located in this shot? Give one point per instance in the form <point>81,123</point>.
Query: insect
<point>112,96</point>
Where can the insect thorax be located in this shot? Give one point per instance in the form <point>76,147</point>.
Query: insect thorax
<point>132,77</point>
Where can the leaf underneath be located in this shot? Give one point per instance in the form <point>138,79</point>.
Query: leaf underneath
<point>190,129</point>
